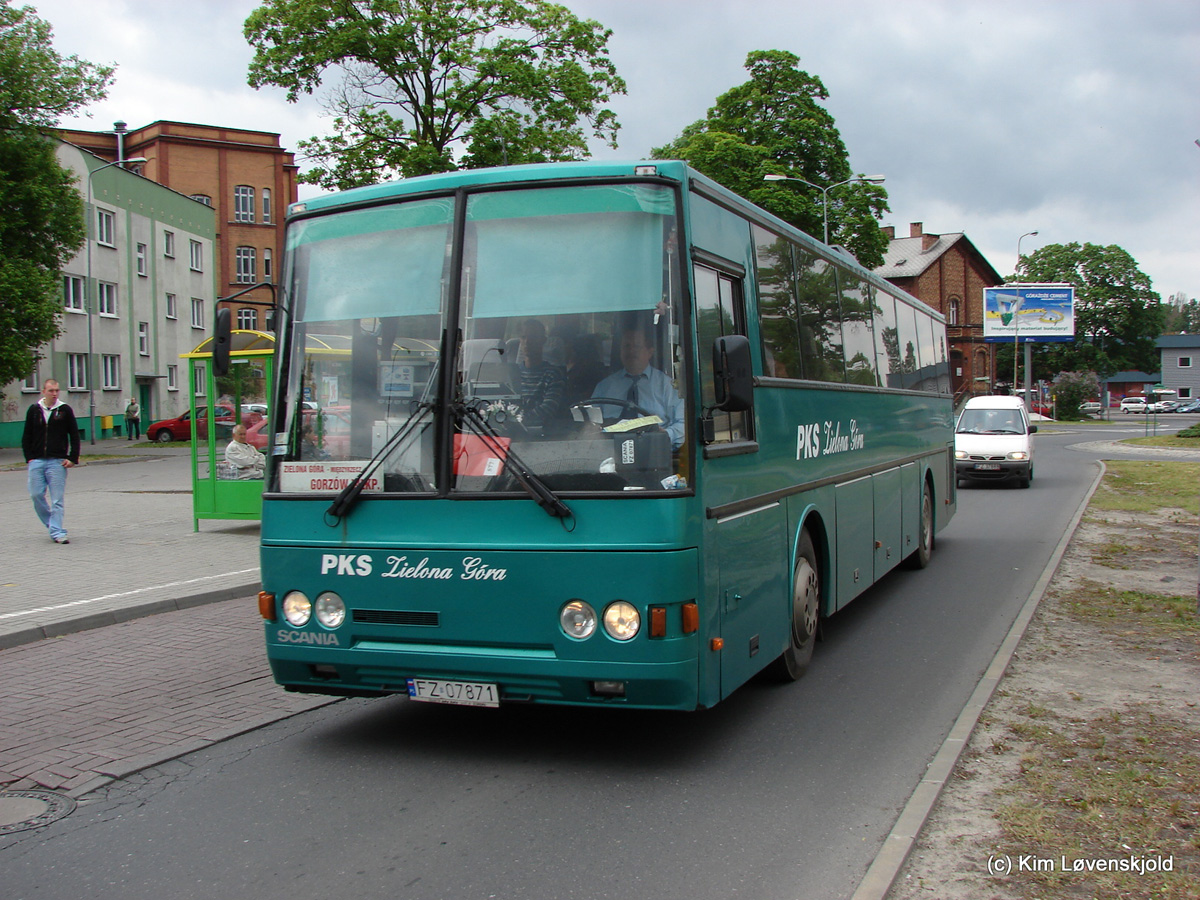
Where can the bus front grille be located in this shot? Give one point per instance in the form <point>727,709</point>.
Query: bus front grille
<point>396,617</point>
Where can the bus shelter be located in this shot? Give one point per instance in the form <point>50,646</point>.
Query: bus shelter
<point>221,489</point>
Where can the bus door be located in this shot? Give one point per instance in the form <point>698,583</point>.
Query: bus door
<point>750,542</point>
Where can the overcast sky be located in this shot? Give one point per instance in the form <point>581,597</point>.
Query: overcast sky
<point>1073,118</point>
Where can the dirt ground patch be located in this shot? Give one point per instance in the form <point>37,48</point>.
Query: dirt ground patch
<point>1082,779</point>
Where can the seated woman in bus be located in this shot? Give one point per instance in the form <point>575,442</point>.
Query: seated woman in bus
<point>309,448</point>
<point>642,385</point>
<point>543,386</point>
<point>245,458</point>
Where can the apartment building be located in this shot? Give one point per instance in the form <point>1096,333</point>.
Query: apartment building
<point>139,293</point>
<point>245,176</point>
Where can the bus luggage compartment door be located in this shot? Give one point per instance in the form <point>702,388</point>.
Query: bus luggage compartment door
<point>754,592</point>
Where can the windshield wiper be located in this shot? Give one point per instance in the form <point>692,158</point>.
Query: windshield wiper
<point>533,485</point>
<point>348,496</point>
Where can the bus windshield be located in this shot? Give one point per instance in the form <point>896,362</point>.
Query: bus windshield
<point>559,309</point>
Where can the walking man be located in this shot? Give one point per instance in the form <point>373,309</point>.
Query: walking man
<point>133,420</point>
<point>51,445</point>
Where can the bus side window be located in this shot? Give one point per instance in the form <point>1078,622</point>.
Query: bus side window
<point>719,312</point>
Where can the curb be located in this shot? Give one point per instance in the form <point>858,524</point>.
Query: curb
<point>125,614</point>
<point>897,846</point>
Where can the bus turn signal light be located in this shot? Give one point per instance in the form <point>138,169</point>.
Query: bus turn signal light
<point>691,618</point>
<point>266,605</point>
<point>658,621</point>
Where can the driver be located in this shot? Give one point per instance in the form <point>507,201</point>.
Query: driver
<point>642,385</point>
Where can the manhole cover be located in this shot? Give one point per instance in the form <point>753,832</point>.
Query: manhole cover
<point>21,810</point>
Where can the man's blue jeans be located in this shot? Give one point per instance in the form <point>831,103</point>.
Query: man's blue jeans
<point>49,477</point>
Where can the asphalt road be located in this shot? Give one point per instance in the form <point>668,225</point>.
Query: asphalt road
<point>780,792</point>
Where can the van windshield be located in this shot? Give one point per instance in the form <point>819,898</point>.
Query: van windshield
<point>990,421</point>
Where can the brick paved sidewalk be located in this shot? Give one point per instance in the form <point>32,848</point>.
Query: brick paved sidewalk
<point>98,705</point>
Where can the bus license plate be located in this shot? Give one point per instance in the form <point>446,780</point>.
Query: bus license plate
<point>462,693</point>
<point>988,467</point>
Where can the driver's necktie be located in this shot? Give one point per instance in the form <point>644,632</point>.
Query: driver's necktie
<point>632,395</point>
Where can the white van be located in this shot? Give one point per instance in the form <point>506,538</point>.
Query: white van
<point>993,441</point>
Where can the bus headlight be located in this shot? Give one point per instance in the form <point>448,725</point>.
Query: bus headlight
<point>296,608</point>
<point>622,621</point>
<point>578,619</point>
<point>331,611</point>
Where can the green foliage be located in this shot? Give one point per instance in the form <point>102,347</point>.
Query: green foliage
<point>38,85</point>
<point>1118,316</point>
<point>1071,389</point>
<point>1182,316</point>
<point>42,226</point>
<point>434,85</point>
<point>775,124</point>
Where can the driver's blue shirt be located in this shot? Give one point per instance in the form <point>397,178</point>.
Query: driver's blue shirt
<point>655,394</point>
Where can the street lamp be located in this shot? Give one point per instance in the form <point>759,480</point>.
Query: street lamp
<point>869,179</point>
<point>1016,322</point>
<point>89,293</point>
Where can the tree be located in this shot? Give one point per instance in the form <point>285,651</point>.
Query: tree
<point>1071,389</point>
<point>43,224</point>
<point>775,124</point>
<point>434,85</point>
<point>1183,315</point>
<point>1118,317</point>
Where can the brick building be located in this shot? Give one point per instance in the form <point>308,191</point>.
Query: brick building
<point>245,176</point>
<point>947,272</point>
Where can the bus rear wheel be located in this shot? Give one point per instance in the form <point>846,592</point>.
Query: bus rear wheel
<point>806,611</point>
<point>920,557</point>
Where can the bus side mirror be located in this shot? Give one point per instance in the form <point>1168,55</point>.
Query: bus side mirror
<point>732,376</point>
<point>222,336</point>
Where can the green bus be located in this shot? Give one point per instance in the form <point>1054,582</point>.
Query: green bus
<point>584,433</point>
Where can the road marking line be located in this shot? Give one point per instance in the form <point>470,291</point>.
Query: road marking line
<point>157,587</point>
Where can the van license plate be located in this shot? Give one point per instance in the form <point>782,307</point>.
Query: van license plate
<point>461,693</point>
<point>988,467</point>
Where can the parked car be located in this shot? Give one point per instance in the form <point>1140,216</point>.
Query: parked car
<point>1165,406</point>
<point>993,441</point>
<point>1133,404</point>
<point>1188,406</point>
<point>1091,408</point>
<point>333,440</point>
<point>180,427</point>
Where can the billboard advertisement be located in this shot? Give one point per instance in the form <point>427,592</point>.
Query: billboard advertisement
<point>1029,312</point>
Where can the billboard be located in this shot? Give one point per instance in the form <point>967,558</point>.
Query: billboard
<point>1029,312</point>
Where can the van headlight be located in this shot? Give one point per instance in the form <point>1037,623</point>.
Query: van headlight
<point>1018,454</point>
<point>961,454</point>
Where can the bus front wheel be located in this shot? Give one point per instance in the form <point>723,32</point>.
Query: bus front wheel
<point>806,610</point>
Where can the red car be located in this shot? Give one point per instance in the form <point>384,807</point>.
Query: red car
<point>335,425</point>
<point>180,427</point>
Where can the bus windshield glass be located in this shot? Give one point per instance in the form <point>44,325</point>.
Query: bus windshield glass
<point>550,300</point>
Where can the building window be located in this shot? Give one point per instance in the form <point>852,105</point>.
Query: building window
<point>202,198</point>
<point>266,205</point>
<point>197,313</point>
<point>247,318</point>
<point>105,228</point>
<point>952,312</point>
<point>73,293</point>
<point>267,260</point>
<point>141,260</point>
<point>1185,362</point>
<point>172,307</point>
<point>112,371</point>
<point>198,376</point>
<point>172,378</point>
<point>196,250</point>
<point>169,244</point>
<point>243,203</point>
<point>143,338</point>
<point>30,383</point>
<point>106,298</point>
<point>77,372</point>
<point>246,265</point>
